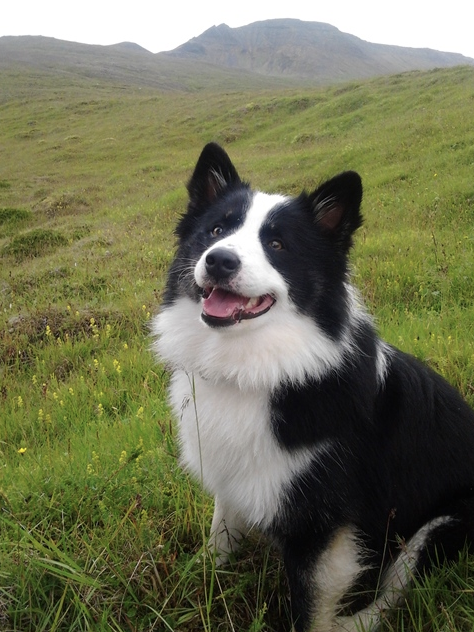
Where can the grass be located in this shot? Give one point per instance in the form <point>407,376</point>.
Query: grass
<point>100,529</point>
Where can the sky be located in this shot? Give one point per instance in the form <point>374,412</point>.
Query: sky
<point>160,25</point>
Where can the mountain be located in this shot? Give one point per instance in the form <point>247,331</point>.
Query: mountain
<point>267,55</point>
<point>310,50</point>
<point>46,61</point>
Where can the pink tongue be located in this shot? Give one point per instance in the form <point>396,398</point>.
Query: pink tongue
<point>223,304</point>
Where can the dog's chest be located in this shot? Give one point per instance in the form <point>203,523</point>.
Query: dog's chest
<point>227,441</point>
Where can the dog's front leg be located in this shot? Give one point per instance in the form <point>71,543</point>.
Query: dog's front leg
<point>227,530</point>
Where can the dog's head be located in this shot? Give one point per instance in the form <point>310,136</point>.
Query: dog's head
<point>258,292</point>
<point>245,252</point>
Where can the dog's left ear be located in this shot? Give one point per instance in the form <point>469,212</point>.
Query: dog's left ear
<point>336,206</point>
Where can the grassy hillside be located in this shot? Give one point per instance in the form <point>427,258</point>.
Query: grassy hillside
<point>100,530</point>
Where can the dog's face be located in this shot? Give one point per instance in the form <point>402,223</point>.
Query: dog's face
<point>235,272</point>
<point>248,253</point>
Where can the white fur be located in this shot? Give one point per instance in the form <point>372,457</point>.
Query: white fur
<point>336,571</point>
<point>227,530</point>
<point>235,452</point>
<point>279,346</point>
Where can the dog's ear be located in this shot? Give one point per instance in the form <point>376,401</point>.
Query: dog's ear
<point>214,172</point>
<point>336,207</point>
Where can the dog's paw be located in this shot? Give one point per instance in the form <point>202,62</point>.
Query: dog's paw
<point>222,547</point>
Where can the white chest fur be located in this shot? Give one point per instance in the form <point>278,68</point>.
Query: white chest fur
<point>227,441</point>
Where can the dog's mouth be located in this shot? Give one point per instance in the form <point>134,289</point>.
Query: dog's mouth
<point>221,308</point>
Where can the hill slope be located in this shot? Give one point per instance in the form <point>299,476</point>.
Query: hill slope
<point>307,49</point>
<point>124,64</point>
<point>99,529</point>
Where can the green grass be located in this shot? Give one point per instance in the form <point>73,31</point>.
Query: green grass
<point>100,529</point>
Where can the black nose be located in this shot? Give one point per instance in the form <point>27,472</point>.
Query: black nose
<point>221,263</point>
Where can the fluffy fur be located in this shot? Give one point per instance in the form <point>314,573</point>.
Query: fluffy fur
<point>353,457</point>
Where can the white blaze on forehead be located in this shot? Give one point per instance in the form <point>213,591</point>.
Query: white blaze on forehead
<point>258,212</point>
<point>256,275</point>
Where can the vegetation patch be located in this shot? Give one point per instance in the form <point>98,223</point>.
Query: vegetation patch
<point>35,243</point>
<point>63,204</point>
<point>13,215</point>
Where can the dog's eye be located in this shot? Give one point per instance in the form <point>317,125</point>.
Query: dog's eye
<point>276,244</point>
<point>217,230</point>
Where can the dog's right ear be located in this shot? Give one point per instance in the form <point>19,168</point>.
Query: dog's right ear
<point>213,174</point>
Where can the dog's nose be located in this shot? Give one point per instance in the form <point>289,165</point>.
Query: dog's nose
<point>221,263</point>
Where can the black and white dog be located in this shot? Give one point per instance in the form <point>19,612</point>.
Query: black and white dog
<point>356,459</point>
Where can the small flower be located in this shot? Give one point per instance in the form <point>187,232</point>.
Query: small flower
<point>48,330</point>
<point>140,412</point>
<point>123,457</point>
<point>94,328</point>
<point>34,379</point>
<point>19,401</point>
<point>117,366</point>
<point>125,346</point>
<point>21,451</point>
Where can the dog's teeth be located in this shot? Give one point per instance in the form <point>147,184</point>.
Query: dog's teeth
<point>252,302</point>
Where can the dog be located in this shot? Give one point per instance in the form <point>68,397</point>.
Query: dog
<point>356,459</point>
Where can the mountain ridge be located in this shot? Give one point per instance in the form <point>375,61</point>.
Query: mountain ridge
<point>289,47</point>
<point>266,55</point>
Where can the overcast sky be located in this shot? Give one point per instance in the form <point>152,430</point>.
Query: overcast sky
<point>159,25</point>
